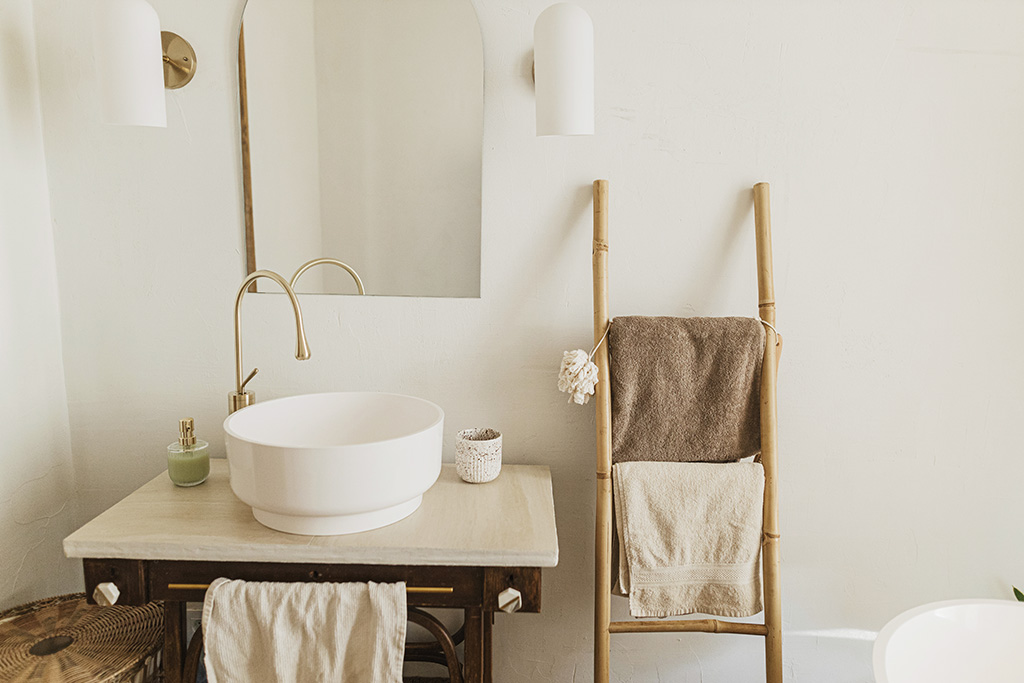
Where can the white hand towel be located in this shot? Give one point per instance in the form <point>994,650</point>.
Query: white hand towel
<point>689,537</point>
<point>304,632</point>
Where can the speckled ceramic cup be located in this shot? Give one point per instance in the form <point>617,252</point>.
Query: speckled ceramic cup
<point>478,455</point>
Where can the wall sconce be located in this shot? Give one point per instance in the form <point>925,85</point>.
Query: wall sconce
<point>563,63</point>
<point>135,61</point>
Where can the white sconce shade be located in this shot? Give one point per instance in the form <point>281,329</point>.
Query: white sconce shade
<point>129,63</point>
<point>563,58</point>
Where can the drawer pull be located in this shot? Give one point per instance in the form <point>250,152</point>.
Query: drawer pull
<point>510,600</point>
<point>106,594</point>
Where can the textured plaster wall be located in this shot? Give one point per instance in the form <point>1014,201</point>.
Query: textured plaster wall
<point>891,134</point>
<point>37,495</point>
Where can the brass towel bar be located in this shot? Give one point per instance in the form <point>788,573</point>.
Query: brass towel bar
<point>408,589</point>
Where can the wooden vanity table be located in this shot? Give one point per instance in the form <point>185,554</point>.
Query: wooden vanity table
<point>465,545</point>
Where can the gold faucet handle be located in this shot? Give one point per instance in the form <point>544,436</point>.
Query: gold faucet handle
<point>241,387</point>
<point>240,399</point>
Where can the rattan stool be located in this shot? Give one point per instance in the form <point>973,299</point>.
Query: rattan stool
<point>64,639</point>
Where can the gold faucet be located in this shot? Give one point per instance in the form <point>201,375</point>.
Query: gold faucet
<point>332,261</point>
<point>240,398</point>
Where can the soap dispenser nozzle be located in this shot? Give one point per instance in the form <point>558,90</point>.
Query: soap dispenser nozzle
<point>186,432</point>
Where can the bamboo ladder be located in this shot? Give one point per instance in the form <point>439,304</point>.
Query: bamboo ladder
<point>771,629</point>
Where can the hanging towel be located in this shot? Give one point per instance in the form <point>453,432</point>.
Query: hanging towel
<point>685,389</point>
<point>304,632</point>
<point>689,537</point>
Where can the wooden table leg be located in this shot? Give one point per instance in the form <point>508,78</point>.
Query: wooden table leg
<point>474,645</point>
<point>174,641</point>
<point>488,629</point>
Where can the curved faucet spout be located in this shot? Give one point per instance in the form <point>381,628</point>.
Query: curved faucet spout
<point>241,398</point>
<point>331,261</point>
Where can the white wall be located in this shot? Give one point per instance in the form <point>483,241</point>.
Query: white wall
<point>891,135</point>
<point>37,495</point>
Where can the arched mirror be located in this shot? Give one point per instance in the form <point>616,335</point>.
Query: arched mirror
<point>362,127</point>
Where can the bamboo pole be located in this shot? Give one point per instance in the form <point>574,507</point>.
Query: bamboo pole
<point>688,625</point>
<point>770,561</point>
<point>763,231</point>
<point>603,401</point>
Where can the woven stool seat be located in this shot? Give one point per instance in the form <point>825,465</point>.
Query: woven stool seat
<point>64,639</point>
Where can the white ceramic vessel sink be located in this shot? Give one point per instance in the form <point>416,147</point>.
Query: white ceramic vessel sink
<point>957,641</point>
<point>337,463</point>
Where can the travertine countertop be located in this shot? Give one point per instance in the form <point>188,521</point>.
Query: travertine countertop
<point>509,522</point>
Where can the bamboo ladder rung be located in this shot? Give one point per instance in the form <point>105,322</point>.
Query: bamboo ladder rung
<point>699,625</point>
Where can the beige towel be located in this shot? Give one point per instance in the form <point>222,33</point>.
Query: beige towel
<point>685,389</point>
<point>689,537</point>
<point>304,632</point>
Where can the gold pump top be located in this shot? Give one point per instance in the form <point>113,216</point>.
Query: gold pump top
<point>186,432</point>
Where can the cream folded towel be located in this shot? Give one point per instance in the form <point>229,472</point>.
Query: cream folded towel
<point>689,537</point>
<point>304,632</point>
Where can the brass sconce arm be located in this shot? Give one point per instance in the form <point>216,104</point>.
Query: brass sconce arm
<point>332,261</point>
<point>241,398</point>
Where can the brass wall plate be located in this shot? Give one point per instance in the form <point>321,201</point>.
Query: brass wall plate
<point>179,60</point>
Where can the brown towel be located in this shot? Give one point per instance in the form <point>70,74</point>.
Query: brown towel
<point>685,389</point>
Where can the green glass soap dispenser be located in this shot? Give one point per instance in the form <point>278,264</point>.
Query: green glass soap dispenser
<point>188,458</point>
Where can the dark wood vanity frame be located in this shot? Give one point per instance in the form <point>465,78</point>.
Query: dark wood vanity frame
<point>474,590</point>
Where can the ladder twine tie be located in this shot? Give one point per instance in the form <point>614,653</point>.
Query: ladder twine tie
<point>765,322</point>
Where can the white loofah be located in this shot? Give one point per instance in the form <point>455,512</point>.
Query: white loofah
<point>577,376</point>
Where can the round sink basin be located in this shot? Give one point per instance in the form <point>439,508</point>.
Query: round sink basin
<point>951,642</point>
<point>336,463</point>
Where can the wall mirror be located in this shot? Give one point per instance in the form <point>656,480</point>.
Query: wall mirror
<point>362,138</point>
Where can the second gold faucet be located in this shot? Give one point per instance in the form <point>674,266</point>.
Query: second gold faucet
<point>332,261</point>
